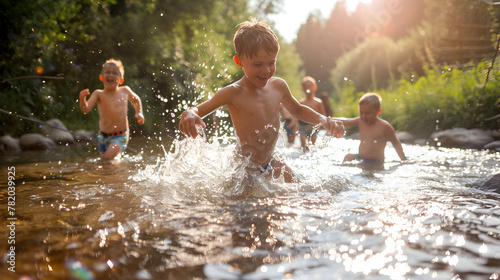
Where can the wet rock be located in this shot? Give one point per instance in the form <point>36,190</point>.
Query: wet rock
<point>495,145</point>
<point>463,138</point>
<point>35,141</point>
<point>82,135</point>
<point>9,144</point>
<point>422,142</point>
<point>405,137</point>
<point>492,183</point>
<point>58,132</point>
<point>495,134</point>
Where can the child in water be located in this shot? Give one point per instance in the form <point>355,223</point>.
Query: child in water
<point>112,104</point>
<point>306,130</point>
<point>254,101</point>
<point>374,132</point>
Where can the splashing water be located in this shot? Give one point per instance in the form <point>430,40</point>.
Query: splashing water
<point>196,212</point>
<point>201,169</point>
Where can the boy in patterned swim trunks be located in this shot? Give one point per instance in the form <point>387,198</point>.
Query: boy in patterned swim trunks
<point>112,102</point>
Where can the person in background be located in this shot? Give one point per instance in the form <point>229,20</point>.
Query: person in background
<point>307,131</point>
<point>374,132</point>
<point>290,124</point>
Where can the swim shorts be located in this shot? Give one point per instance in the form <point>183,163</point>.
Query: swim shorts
<point>106,139</point>
<point>365,160</point>
<point>306,129</point>
<point>287,129</point>
<point>267,168</point>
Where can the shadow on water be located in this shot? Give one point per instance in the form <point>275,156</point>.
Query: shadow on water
<point>194,212</point>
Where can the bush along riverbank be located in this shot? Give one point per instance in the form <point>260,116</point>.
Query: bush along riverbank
<point>444,98</point>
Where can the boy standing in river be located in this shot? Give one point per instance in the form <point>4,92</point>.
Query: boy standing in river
<point>374,132</point>
<point>307,130</point>
<point>254,101</point>
<point>112,102</point>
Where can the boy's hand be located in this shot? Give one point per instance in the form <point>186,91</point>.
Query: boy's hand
<point>84,93</point>
<point>189,120</point>
<point>334,127</point>
<point>140,118</point>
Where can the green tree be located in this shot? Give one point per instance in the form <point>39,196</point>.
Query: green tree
<point>175,53</point>
<point>288,67</point>
<point>311,48</point>
<point>322,45</point>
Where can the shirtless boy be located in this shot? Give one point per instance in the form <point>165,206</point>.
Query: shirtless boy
<point>374,132</point>
<point>306,130</point>
<point>112,104</point>
<point>254,101</point>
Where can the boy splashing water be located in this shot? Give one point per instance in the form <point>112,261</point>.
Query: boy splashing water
<point>254,101</point>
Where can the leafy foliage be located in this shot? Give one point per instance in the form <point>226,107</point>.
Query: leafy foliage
<point>421,92</point>
<point>175,53</point>
<point>441,99</point>
<point>322,43</point>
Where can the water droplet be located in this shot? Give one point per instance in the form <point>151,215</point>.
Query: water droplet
<point>483,249</point>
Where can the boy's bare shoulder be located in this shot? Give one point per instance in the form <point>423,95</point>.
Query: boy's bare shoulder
<point>318,100</point>
<point>227,94</point>
<point>231,88</point>
<point>385,124</point>
<point>280,85</point>
<point>126,89</point>
<point>277,81</point>
<point>98,92</point>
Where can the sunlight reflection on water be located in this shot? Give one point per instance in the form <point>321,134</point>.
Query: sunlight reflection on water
<point>194,212</point>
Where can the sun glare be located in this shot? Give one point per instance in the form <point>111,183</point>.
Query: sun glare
<point>352,4</point>
<point>295,13</point>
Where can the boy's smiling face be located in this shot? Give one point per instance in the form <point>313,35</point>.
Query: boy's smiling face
<point>111,76</point>
<point>259,68</point>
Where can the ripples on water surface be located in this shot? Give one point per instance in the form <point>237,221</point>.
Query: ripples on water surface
<point>195,214</point>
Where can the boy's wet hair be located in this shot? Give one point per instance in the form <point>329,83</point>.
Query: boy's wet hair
<point>254,35</point>
<point>118,64</point>
<point>371,98</point>
<point>309,79</point>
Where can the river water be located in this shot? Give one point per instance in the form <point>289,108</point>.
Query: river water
<point>191,211</point>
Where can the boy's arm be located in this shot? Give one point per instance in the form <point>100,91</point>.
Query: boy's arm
<point>307,114</point>
<point>86,106</point>
<point>136,102</point>
<point>193,116</point>
<point>349,121</point>
<point>396,143</point>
